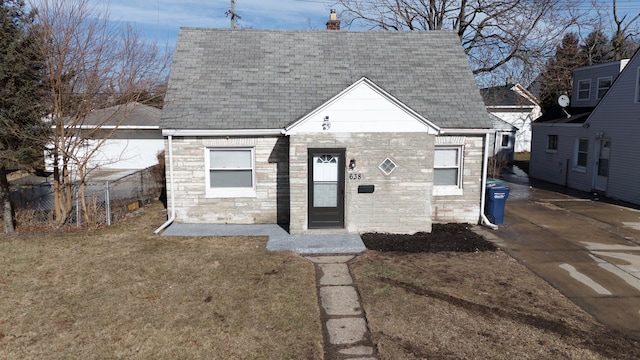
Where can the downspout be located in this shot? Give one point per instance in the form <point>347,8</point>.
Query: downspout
<point>171,187</point>
<point>485,161</point>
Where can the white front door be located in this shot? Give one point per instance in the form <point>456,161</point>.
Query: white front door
<point>602,164</point>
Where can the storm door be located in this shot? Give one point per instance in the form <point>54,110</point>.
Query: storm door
<point>326,188</point>
<point>602,166</point>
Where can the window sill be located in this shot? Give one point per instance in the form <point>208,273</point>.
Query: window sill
<point>230,193</point>
<point>581,170</point>
<point>551,151</point>
<point>447,191</point>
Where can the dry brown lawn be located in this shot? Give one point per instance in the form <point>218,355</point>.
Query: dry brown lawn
<point>477,305</point>
<point>123,292</point>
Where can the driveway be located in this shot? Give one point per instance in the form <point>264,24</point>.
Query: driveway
<point>587,248</point>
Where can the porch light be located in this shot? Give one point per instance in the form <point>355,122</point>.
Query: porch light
<point>326,125</point>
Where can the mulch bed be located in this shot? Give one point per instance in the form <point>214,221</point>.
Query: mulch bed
<point>442,238</point>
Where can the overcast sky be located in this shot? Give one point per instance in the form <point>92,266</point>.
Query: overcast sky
<point>161,19</point>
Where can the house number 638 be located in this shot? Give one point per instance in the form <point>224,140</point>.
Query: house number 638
<point>355,176</point>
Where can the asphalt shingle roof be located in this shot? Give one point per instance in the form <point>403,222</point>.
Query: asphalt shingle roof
<point>503,96</point>
<point>225,79</point>
<point>132,114</point>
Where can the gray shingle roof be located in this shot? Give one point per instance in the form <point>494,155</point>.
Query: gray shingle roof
<point>262,79</point>
<point>132,114</point>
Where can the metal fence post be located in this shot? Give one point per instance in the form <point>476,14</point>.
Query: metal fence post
<point>78,209</point>
<point>107,204</point>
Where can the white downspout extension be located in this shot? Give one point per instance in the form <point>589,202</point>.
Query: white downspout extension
<point>173,207</point>
<point>485,161</point>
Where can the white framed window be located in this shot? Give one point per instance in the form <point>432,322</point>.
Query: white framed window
<point>584,89</point>
<point>580,154</point>
<point>552,143</point>
<point>230,172</point>
<point>505,140</point>
<point>604,83</point>
<point>447,170</point>
<point>387,166</point>
<point>638,86</point>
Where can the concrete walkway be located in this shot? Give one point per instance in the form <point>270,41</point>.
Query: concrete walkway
<point>279,239</point>
<point>345,331</point>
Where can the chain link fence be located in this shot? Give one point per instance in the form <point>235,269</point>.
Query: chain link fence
<point>107,201</point>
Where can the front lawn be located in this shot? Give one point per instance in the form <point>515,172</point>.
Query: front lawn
<point>123,292</point>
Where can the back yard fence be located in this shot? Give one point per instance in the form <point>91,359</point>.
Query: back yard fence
<point>107,201</point>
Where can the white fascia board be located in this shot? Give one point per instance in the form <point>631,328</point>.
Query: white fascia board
<point>236,132</point>
<point>111,127</point>
<point>376,89</point>
<point>466,131</point>
<point>509,107</point>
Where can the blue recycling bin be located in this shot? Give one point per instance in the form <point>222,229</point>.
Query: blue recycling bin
<point>497,194</point>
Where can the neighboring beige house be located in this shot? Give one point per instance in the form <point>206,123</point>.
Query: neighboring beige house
<point>324,131</point>
<point>516,106</point>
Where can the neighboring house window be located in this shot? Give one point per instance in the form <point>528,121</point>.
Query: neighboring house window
<point>552,143</point>
<point>638,86</point>
<point>584,89</point>
<point>447,170</point>
<point>580,156</point>
<point>603,85</point>
<point>230,172</point>
<point>505,140</point>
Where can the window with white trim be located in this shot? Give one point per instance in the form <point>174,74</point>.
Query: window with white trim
<point>580,154</point>
<point>584,89</point>
<point>447,170</point>
<point>603,85</point>
<point>638,86</point>
<point>230,172</point>
<point>505,140</point>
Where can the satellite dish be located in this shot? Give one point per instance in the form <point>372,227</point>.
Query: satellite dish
<point>563,101</point>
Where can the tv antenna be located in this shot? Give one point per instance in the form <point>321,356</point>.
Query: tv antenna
<point>232,13</point>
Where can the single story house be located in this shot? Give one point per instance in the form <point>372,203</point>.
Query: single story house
<point>515,105</point>
<point>324,131</point>
<point>592,143</point>
<point>122,137</point>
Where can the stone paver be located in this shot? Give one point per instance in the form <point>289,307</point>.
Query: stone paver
<point>346,330</point>
<point>340,300</point>
<point>344,320</point>
<point>335,274</point>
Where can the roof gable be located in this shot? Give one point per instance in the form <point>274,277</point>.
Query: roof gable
<point>225,79</point>
<point>363,105</point>
<point>619,102</point>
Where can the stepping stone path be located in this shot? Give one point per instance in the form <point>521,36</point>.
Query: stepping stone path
<point>345,331</point>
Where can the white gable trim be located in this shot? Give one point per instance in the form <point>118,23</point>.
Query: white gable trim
<point>423,125</point>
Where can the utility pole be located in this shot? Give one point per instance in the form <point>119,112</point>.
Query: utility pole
<point>232,13</point>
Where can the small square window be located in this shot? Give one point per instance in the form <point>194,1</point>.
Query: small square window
<point>584,89</point>
<point>387,166</point>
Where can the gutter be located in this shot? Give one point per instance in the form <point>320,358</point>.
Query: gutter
<point>485,161</point>
<point>237,132</point>
<point>171,186</point>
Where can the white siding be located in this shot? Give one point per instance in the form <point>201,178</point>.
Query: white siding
<point>361,109</point>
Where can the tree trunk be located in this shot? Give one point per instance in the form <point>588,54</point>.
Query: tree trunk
<point>7,214</point>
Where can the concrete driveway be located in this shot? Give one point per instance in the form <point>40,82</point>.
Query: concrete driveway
<point>587,248</point>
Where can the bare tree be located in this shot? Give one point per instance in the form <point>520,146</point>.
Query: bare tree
<point>91,63</point>
<point>494,33</point>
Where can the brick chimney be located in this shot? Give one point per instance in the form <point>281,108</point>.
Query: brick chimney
<point>333,23</point>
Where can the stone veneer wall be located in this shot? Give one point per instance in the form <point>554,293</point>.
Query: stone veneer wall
<point>270,205</point>
<point>401,202</point>
<point>463,208</point>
